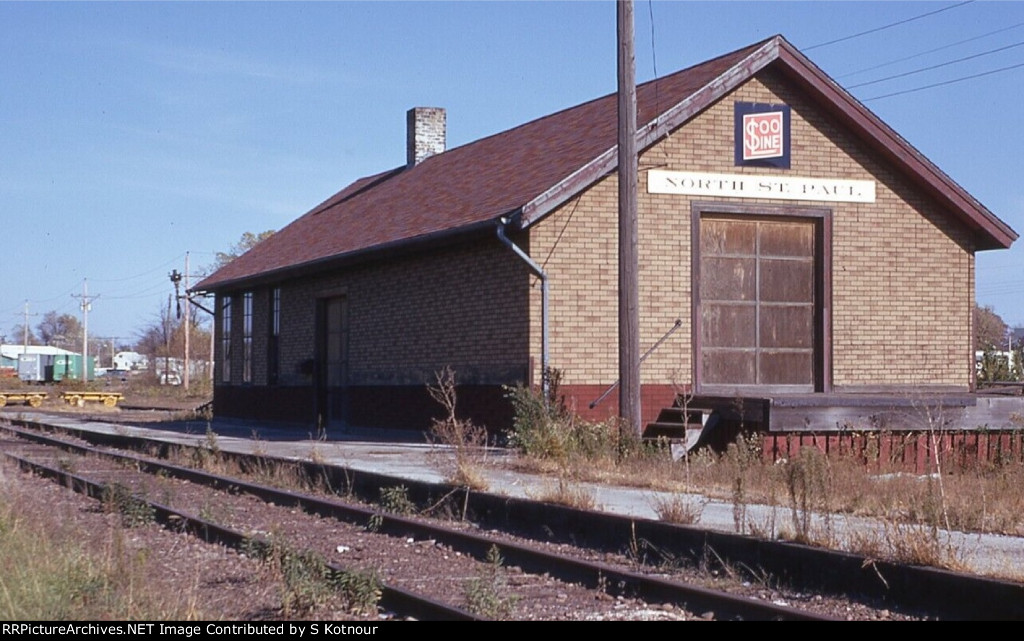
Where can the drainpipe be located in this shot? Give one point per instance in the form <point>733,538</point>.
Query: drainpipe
<point>542,275</point>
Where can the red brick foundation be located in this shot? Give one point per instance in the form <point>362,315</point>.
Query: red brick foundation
<point>916,452</point>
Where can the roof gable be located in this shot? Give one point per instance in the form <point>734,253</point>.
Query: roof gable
<point>528,171</point>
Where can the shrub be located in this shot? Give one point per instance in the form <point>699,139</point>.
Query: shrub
<point>545,428</point>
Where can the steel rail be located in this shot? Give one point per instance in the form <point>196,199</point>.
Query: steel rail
<point>923,590</point>
<point>393,599</point>
<point>531,559</point>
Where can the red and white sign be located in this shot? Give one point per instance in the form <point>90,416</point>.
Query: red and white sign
<point>762,135</point>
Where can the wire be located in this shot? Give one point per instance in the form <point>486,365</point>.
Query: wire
<point>654,54</point>
<point>924,53</point>
<point>937,66</point>
<point>941,84</point>
<point>884,27</point>
<point>146,273</point>
<point>143,293</point>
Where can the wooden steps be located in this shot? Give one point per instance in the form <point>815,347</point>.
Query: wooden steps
<point>683,428</point>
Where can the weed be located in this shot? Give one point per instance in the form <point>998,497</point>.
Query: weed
<point>466,440</point>
<point>213,512</point>
<point>809,482</point>
<point>568,494</point>
<point>544,428</point>
<point>682,509</point>
<point>258,447</point>
<point>212,443</point>
<point>921,544</point>
<point>740,457</point>
<point>207,455</point>
<point>134,510</point>
<point>395,499</point>
<point>361,590</point>
<point>375,522</point>
<point>486,593</point>
<point>305,577</point>
<point>316,457</point>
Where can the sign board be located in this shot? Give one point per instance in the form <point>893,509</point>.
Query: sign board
<point>761,135</point>
<point>697,183</point>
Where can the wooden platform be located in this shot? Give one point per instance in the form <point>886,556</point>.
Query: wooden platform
<point>891,412</point>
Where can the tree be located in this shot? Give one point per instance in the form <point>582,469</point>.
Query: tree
<point>164,338</point>
<point>990,330</point>
<point>17,335</point>
<point>61,330</point>
<point>244,244</point>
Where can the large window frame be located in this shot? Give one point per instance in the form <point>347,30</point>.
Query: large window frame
<point>247,337</point>
<point>225,339</point>
<point>274,339</point>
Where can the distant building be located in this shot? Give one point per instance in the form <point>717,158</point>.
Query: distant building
<point>130,361</point>
<point>43,363</point>
<point>9,354</point>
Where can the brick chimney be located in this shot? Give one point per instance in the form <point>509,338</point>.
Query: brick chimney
<point>425,134</point>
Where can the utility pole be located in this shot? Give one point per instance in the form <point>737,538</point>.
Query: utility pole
<point>25,347</point>
<point>629,297</point>
<point>188,326</point>
<point>86,305</point>
<point>176,278</point>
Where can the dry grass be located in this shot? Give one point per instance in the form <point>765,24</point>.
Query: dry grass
<point>805,492</point>
<point>682,509</point>
<point>569,494</point>
<point>464,443</point>
<point>48,572</point>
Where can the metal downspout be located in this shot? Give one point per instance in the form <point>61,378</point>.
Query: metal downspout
<point>542,275</point>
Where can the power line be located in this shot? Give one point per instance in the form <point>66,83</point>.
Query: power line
<point>884,27</point>
<point>937,66</point>
<point>947,82</point>
<point>149,289</point>
<point>159,267</point>
<point>924,53</point>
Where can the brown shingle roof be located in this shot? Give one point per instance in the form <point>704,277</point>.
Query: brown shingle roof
<point>532,168</point>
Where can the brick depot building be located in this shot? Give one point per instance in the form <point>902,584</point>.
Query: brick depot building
<point>801,245</point>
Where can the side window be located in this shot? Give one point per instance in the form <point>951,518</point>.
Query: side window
<point>273,342</point>
<point>247,337</point>
<point>225,339</point>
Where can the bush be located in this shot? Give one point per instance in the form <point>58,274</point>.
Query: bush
<point>544,428</point>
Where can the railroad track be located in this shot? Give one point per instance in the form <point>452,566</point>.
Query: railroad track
<point>573,573</point>
<point>933,593</point>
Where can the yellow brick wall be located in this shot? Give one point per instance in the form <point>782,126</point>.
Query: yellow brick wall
<point>902,270</point>
<point>464,307</point>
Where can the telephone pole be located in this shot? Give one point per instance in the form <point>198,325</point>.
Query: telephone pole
<point>629,297</point>
<point>176,278</point>
<point>86,305</point>
<point>25,348</point>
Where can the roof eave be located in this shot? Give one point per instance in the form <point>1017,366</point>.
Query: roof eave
<point>402,246</point>
<point>991,232</point>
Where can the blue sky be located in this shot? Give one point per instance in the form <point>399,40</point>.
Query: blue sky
<point>134,132</point>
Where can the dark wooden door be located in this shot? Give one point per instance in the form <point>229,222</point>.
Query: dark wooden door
<point>758,306</point>
<point>332,377</point>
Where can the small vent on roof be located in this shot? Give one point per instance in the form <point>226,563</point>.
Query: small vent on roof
<point>425,134</point>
